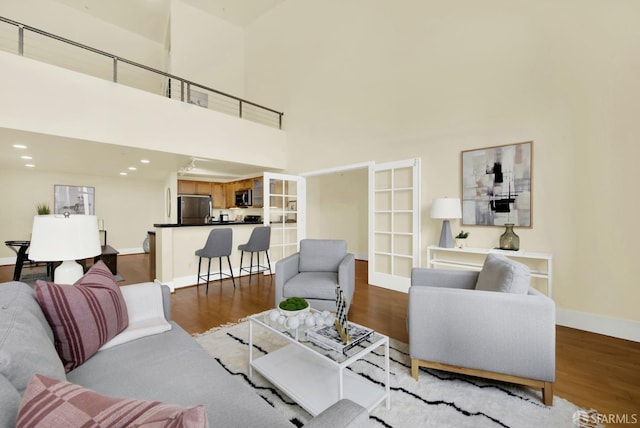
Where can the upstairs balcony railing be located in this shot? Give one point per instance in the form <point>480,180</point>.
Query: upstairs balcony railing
<point>40,45</point>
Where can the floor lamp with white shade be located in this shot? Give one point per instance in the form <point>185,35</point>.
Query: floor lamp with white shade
<point>65,238</point>
<point>446,209</point>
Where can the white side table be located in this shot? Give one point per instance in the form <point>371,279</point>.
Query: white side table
<point>541,264</point>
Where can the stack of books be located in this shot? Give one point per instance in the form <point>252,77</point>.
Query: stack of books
<point>327,337</point>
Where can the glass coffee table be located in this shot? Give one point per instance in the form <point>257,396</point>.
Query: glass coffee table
<point>315,377</point>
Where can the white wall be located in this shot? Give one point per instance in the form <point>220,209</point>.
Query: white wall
<point>128,207</point>
<point>362,80</point>
<point>78,106</point>
<point>206,49</point>
<point>64,21</point>
<point>337,203</point>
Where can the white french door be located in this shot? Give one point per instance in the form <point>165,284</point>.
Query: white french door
<point>284,209</point>
<point>394,223</point>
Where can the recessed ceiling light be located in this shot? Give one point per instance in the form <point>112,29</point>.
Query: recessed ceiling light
<point>145,161</point>
<point>19,146</point>
<point>123,173</point>
<point>30,165</point>
<point>132,168</point>
<point>26,157</point>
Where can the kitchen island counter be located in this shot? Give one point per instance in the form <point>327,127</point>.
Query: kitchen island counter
<point>176,262</point>
<point>214,223</point>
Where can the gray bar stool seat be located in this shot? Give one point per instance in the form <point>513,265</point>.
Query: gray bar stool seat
<point>219,245</point>
<point>259,241</point>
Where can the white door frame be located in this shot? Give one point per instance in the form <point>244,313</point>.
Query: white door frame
<point>301,207</point>
<point>386,281</point>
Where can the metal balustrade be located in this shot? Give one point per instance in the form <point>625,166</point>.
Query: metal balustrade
<point>40,45</point>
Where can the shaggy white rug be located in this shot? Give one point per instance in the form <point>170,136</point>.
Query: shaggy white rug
<point>438,399</point>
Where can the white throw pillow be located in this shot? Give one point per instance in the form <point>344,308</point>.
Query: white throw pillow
<point>145,311</point>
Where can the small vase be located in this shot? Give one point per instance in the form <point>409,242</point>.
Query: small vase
<point>509,240</point>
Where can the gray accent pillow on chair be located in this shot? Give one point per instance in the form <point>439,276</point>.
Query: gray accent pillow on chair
<point>500,273</point>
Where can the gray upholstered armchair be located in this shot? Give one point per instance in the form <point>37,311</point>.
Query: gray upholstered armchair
<point>315,271</point>
<point>490,324</point>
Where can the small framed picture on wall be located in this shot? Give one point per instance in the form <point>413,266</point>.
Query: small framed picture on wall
<point>73,199</point>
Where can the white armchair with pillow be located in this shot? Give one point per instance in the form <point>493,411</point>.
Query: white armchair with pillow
<point>489,324</point>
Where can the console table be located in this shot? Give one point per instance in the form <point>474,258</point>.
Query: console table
<point>109,256</point>
<point>541,264</point>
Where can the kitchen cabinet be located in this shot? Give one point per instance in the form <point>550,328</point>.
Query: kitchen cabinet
<point>258,192</point>
<point>223,195</point>
<point>245,184</point>
<point>235,186</point>
<point>190,187</point>
<point>203,188</point>
<point>186,187</point>
<point>218,195</point>
<point>230,191</point>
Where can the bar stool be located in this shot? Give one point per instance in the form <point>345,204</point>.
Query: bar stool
<point>258,241</point>
<point>219,244</point>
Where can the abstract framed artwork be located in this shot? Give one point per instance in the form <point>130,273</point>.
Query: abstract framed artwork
<point>496,185</point>
<point>73,199</point>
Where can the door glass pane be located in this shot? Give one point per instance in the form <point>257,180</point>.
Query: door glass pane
<point>291,188</point>
<point>403,245</point>
<point>402,266</point>
<point>403,222</point>
<point>383,201</point>
<point>383,263</point>
<point>383,179</point>
<point>382,243</point>
<point>383,222</point>
<point>403,200</point>
<point>403,178</point>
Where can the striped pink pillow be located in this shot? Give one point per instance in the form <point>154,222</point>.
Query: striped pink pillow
<point>83,316</point>
<point>52,403</point>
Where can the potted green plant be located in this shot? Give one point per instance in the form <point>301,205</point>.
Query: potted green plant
<point>43,208</point>
<point>461,239</point>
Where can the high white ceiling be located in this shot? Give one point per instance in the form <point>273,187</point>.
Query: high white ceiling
<point>149,18</point>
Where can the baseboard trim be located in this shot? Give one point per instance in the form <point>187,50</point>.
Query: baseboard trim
<point>7,261</point>
<point>126,251</point>
<point>362,256</point>
<point>615,327</point>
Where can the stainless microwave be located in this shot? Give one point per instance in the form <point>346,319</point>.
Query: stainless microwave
<point>244,198</point>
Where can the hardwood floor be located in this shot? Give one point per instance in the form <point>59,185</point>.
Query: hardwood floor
<point>592,370</point>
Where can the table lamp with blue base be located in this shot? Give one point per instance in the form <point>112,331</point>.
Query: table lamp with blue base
<point>446,208</point>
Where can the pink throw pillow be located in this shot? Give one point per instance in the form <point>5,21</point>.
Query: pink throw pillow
<point>53,403</point>
<point>83,316</point>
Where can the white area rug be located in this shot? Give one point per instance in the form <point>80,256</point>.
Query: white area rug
<point>438,399</point>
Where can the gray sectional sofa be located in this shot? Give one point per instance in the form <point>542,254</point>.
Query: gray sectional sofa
<point>169,367</point>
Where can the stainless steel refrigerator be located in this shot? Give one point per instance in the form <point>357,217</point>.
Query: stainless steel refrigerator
<point>194,209</point>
